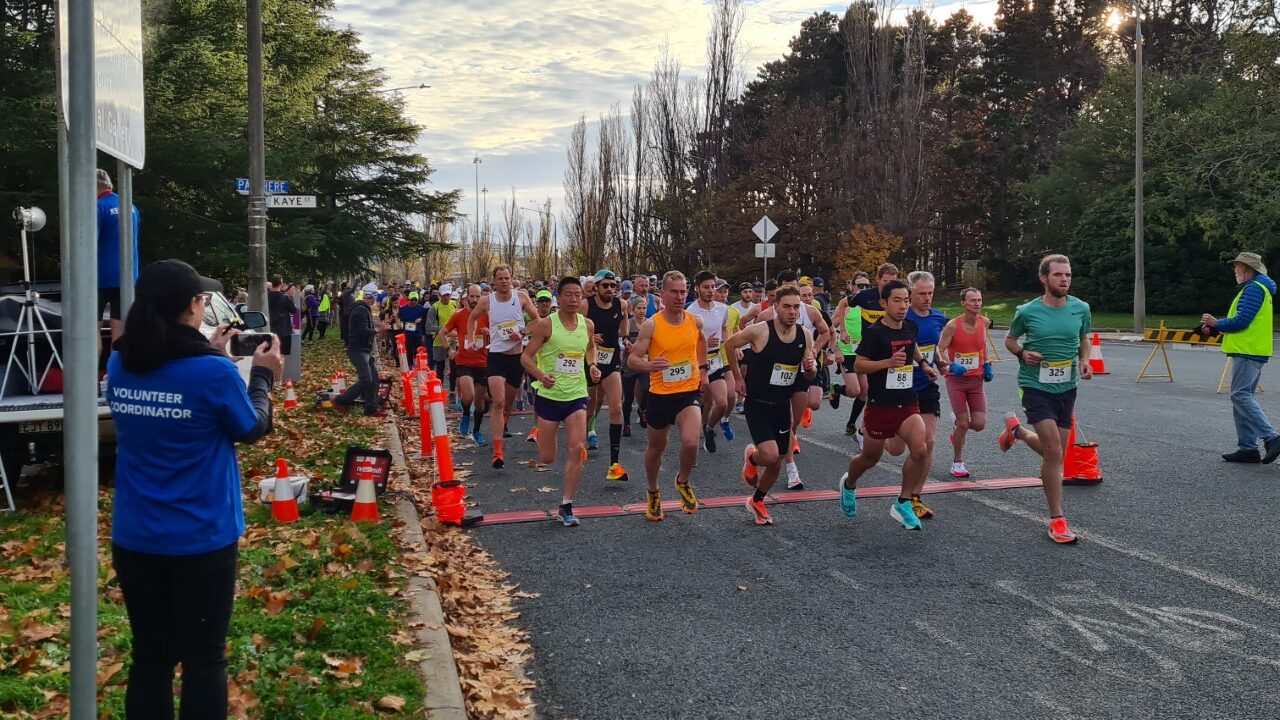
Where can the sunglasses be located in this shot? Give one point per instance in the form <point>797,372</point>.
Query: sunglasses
<point>607,285</point>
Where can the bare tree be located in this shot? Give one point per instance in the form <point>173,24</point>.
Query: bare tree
<point>543,263</point>
<point>512,227</point>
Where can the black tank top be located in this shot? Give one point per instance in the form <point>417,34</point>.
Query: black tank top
<point>606,322</point>
<point>774,370</point>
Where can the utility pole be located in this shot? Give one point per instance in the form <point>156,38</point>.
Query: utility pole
<point>257,166</point>
<point>1139,240</point>
<point>476,162</point>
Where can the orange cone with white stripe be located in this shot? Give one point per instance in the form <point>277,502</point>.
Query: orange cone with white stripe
<point>290,397</point>
<point>1080,464</point>
<point>1096,362</point>
<point>365,508</point>
<point>284,506</point>
<point>342,381</point>
<point>333,384</point>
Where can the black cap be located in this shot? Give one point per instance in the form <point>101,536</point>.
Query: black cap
<point>173,280</point>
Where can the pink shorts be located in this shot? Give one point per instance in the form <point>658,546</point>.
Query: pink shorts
<point>967,394</point>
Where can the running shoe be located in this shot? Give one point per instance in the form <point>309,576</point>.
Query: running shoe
<point>464,425</point>
<point>750,475</point>
<point>616,473</point>
<point>626,430</point>
<point>807,419</point>
<point>740,409</point>
<point>795,446</point>
<point>848,498</point>
<point>959,470</point>
<point>859,438</point>
<point>532,436</point>
<point>850,429</point>
<point>921,510</point>
<point>563,515</point>
<point>519,403</point>
<point>644,418</point>
<point>478,436</point>
<point>905,514</point>
<point>793,477</point>
<point>833,397</point>
<point>727,429</point>
<point>584,456</point>
<point>688,500</point>
<point>653,506</point>
<point>1059,531</point>
<point>1009,435</point>
<point>709,438</point>
<point>759,511</point>
<point>952,439</point>
<point>498,462</point>
<point>593,442</point>
<point>506,431</point>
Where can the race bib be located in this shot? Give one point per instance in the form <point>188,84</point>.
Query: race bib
<point>569,363</point>
<point>898,378</point>
<point>604,356</point>
<point>677,373</point>
<point>783,375</point>
<point>410,327</point>
<point>714,363</point>
<point>507,329</point>
<point>1056,372</point>
<point>969,361</point>
<point>477,342</point>
<point>927,351</point>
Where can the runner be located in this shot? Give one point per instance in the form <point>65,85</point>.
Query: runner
<point>869,308</point>
<point>885,356</point>
<point>715,326</point>
<point>506,309</point>
<point>963,351</point>
<point>610,321</point>
<point>469,356</point>
<point>780,352</point>
<point>545,303</point>
<point>1053,356</point>
<point>746,293</point>
<point>929,324</point>
<point>437,317</point>
<point>848,334</point>
<point>672,349</point>
<point>644,305</point>
<point>556,356</point>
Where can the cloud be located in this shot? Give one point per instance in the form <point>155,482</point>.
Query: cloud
<point>510,77</point>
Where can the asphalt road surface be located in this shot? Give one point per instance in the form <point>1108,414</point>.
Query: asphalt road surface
<point>1168,607</point>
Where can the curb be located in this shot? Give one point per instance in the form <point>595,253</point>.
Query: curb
<point>444,699</point>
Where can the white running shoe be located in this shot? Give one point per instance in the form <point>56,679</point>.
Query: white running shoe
<point>793,477</point>
<point>959,470</point>
<point>858,438</point>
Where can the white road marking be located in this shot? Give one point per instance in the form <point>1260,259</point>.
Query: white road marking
<point>845,579</point>
<point>935,633</point>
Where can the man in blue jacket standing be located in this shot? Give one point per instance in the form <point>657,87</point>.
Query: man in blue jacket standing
<point>1247,340</point>
<point>109,252</point>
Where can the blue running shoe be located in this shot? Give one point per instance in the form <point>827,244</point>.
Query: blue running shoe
<point>593,442</point>
<point>727,429</point>
<point>848,498</point>
<point>905,514</point>
<point>479,437</point>
<point>464,425</point>
<point>566,516</point>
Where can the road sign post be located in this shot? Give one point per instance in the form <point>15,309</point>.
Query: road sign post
<point>765,230</point>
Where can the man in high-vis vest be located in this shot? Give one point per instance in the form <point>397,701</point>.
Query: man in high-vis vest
<point>1247,341</point>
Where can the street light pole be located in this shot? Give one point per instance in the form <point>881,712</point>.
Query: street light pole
<point>257,166</point>
<point>476,162</point>
<point>1139,240</point>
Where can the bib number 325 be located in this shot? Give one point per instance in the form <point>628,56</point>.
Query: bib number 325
<point>1056,372</point>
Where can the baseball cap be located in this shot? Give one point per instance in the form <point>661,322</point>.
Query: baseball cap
<point>413,295</point>
<point>721,282</point>
<point>370,289</point>
<point>544,295</point>
<point>484,286</point>
<point>805,280</point>
<point>818,282</point>
<point>626,286</point>
<point>745,285</point>
<point>446,289</point>
<point>605,274</point>
<point>173,281</point>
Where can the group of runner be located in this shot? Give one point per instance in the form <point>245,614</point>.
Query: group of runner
<point>688,363</point>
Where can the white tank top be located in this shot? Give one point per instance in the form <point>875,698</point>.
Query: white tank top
<point>504,318</point>
<point>713,319</point>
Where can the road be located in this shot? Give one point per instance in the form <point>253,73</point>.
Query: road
<point>1168,607</point>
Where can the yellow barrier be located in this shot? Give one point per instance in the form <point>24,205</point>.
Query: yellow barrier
<point>1162,335</point>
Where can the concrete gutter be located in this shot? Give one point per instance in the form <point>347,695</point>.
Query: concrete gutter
<point>444,699</point>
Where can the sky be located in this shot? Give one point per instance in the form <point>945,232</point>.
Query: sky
<point>509,78</point>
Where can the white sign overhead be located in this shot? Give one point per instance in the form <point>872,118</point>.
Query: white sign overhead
<point>291,201</point>
<point>117,40</point>
<point>765,229</point>
<point>766,250</point>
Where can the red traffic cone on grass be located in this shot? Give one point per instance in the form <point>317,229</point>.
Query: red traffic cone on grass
<point>342,381</point>
<point>1096,362</point>
<point>333,384</point>
<point>365,508</point>
<point>1080,461</point>
<point>290,397</point>
<point>284,506</point>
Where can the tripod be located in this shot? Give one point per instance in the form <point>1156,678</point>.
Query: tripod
<point>28,317</point>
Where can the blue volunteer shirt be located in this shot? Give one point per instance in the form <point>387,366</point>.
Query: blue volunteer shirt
<point>109,241</point>
<point>177,478</point>
<point>929,333</point>
<point>413,314</point>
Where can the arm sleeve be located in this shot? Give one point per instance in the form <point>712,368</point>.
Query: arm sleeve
<point>1246,310</point>
<point>245,413</point>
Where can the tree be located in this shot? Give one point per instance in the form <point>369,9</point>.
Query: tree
<point>512,228</point>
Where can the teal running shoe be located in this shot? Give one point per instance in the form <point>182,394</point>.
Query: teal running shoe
<point>479,437</point>
<point>905,514</point>
<point>848,498</point>
<point>593,442</point>
<point>464,425</point>
<point>565,515</point>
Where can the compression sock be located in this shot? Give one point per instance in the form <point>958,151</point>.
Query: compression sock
<point>615,441</point>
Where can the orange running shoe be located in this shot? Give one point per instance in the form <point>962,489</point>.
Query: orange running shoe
<point>922,510</point>
<point>498,462</point>
<point>1059,531</point>
<point>653,506</point>
<point>749,473</point>
<point>795,446</point>
<point>532,436</point>
<point>759,512</point>
<point>807,419</point>
<point>688,500</point>
<point>1009,435</point>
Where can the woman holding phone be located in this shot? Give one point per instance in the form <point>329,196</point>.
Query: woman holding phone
<point>179,407</point>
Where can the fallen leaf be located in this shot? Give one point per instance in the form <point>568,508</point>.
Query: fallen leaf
<point>518,490</point>
<point>742,588</point>
<point>109,672</point>
<point>391,702</point>
<point>545,489</point>
<point>416,655</point>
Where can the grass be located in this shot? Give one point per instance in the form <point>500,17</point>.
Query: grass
<point>318,628</point>
<point>1001,306</point>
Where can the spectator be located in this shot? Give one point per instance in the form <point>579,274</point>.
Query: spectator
<point>280,309</point>
<point>821,296</point>
<point>312,301</point>
<point>325,312</point>
<point>361,335</point>
<point>344,301</point>
<point>179,406</point>
<point>109,252</point>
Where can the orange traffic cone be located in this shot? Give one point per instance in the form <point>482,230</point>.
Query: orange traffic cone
<point>284,506</point>
<point>1095,358</point>
<point>290,397</point>
<point>365,508</point>
<point>1080,461</point>
<point>342,381</point>
<point>333,384</point>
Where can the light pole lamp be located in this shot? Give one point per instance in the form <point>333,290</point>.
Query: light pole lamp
<point>423,86</point>
<point>476,162</point>
<point>1139,239</point>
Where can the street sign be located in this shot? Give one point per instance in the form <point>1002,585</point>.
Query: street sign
<point>765,230</point>
<point>117,40</point>
<point>274,187</point>
<point>291,201</point>
<point>766,250</point>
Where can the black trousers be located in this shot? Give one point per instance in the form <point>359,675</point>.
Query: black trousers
<point>179,610</point>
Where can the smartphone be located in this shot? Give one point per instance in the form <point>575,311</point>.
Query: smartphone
<point>246,344</point>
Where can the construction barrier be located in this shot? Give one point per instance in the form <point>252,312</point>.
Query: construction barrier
<point>1162,336</point>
